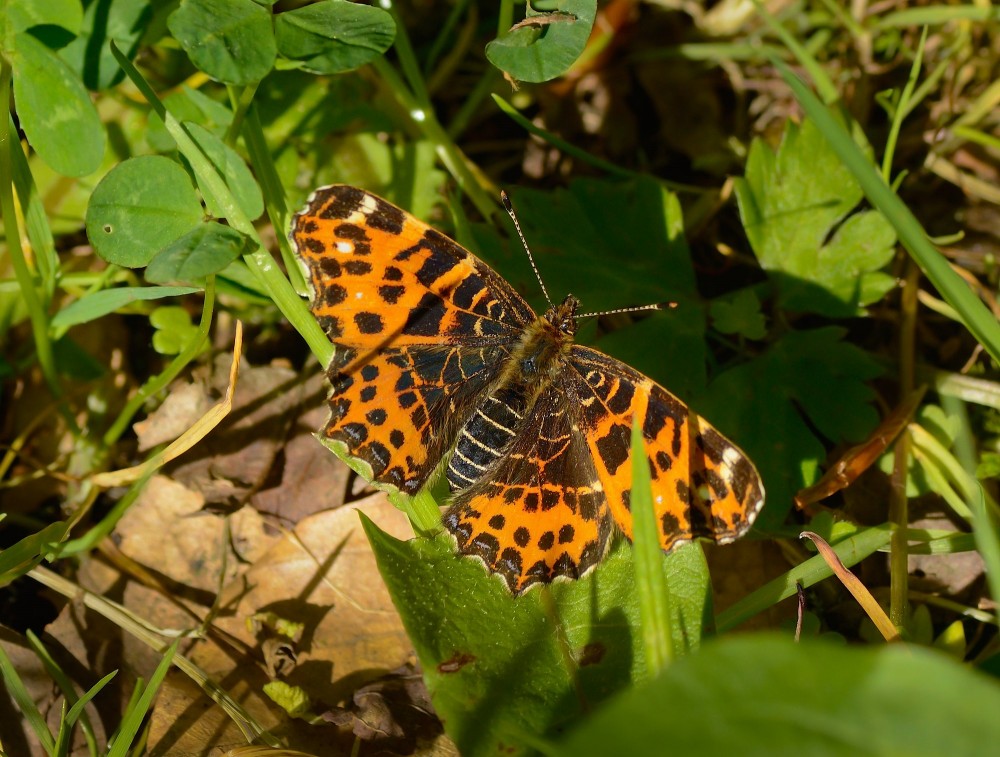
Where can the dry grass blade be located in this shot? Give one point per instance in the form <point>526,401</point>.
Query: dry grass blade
<point>864,597</point>
<point>189,438</point>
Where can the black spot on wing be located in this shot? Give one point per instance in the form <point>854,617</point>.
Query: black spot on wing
<point>369,323</point>
<point>613,448</point>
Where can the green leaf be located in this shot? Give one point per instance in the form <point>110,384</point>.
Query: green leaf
<point>124,22</point>
<point>795,205</point>
<point>140,207</point>
<point>174,330</point>
<point>334,36</point>
<point>739,313</point>
<point>647,261</point>
<point>55,110</point>
<point>765,695</point>
<point>292,699</point>
<point>24,14</point>
<point>230,40</point>
<point>760,405</point>
<point>233,171</point>
<point>19,558</point>
<point>547,46</point>
<point>99,304</point>
<point>496,666</point>
<point>204,250</point>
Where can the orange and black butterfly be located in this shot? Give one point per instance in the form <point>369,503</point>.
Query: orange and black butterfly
<point>439,358</point>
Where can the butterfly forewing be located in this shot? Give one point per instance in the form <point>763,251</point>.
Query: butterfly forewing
<point>381,276</point>
<point>419,324</point>
<point>703,485</point>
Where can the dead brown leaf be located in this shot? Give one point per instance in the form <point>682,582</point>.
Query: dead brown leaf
<point>323,575</point>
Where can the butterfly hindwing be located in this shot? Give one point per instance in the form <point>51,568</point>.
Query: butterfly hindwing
<point>538,513</point>
<point>398,411</point>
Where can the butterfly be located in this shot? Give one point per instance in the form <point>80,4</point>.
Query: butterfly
<point>440,363</point>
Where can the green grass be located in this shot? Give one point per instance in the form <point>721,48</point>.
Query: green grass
<point>150,163</point>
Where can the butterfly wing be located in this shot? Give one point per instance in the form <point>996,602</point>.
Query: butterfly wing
<point>538,513</point>
<point>380,276</point>
<point>703,484</point>
<point>420,325</point>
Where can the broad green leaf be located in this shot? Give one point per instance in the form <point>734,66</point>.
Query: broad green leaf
<point>99,304</point>
<point>494,664</point>
<point>610,243</point>
<point>334,35</point>
<point>230,40</point>
<point>124,22</point>
<point>739,313</point>
<point>19,558</point>
<point>139,208</point>
<point>205,250</point>
<point>760,405</point>
<point>233,171</point>
<point>766,695</point>
<point>548,44</point>
<point>795,204</point>
<point>55,110</point>
<point>24,14</point>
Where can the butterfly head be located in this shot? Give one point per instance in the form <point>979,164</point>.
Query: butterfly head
<point>563,315</point>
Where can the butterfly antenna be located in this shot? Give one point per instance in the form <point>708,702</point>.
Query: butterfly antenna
<point>639,309</point>
<point>531,259</point>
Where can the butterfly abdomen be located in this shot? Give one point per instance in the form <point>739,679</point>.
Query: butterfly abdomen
<point>485,437</point>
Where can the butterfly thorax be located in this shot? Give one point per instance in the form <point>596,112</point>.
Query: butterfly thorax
<point>538,355</point>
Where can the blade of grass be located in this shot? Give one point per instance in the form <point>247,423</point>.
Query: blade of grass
<point>850,551</point>
<point>134,716</point>
<point>976,317</point>
<point>141,630</point>
<point>984,526</point>
<point>934,15</point>
<point>24,702</point>
<point>69,693</point>
<point>448,153</point>
<point>37,314</point>
<point>36,224</point>
<point>651,587</point>
<point>902,107</point>
<point>827,89</point>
